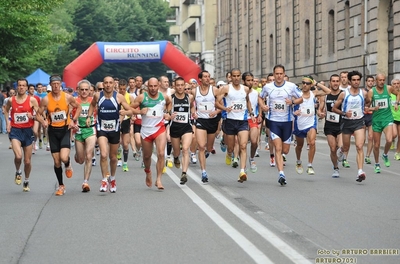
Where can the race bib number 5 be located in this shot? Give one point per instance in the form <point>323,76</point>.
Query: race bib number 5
<point>21,118</point>
<point>356,113</point>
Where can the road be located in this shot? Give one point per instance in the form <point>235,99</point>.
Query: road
<point>310,220</point>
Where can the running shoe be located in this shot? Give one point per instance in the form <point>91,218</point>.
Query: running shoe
<point>204,177</point>
<point>377,168</point>
<point>396,156</point>
<point>183,179</point>
<point>47,147</point>
<point>386,160</point>
<point>18,177</point>
<point>345,164</point>
<point>72,143</point>
<point>367,160</point>
<point>361,177</point>
<point>284,157</point>
<point>340,155</point>
<point>168,163</point>
<point>242,177</point>
<point>222,145</point>
<point>282,179</point>
<point>164,170</point>
<point>41,144</point>
<point>266,146</point>
<point>25,187</point>
<point>272,162</point>
<point>393,146</point>
<point>143,165</point>
<point>85,187</point>
<point>69,172</point>
<point>60,190</point>
<point>299,168</point>
<point>137,155</point>
<point>308,146</point>
<point>213,151</point>
<point>335,173</point>
<point>119,153</point>
<point>104,185</point>
<point>97,151</point>
<point>207,153</point>
<point>235,163</point>
<point>177,162</point>
<point>125,167</point>
<point>253,166</point>
<point>310,170</point>
<point>228,159</point>
<point>94,161</point>
<point>119,163</point>
<point>257,155</point>
<point>45,140</point>
<point>113,186</point>
<point>193,158</point>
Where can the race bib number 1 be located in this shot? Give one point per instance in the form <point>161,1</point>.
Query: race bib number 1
<point>205,107</point>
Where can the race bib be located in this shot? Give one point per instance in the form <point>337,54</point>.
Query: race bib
<point>154,112</point>
<point>356,113</point>
<point>85,111</point>
<point>381,103</point>
<point>332,117</point>
<point>181,117</point>
<point>108,125</point>
<point>279,106</point>
<point>21,118</point>
<point>238,106</point>
<point>205,107</point>
<point>307,111</point>
<point>58,117</point>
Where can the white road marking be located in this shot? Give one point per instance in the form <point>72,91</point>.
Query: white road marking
<point>257,255</point>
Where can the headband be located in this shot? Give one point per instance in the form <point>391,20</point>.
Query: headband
<point>308,77</point>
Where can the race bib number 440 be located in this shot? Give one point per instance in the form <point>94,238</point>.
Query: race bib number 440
<point>58,117</point>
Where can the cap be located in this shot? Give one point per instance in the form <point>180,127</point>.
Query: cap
<point>220,83</point>
<point>193,81</point>
<point>49,88</point>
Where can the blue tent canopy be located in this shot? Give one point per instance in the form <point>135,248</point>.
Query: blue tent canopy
<point>38,76</point>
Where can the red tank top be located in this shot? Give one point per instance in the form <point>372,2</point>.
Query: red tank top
<point>19,113</point>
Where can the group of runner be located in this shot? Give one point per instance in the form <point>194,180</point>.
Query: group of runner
<point>185,120</point>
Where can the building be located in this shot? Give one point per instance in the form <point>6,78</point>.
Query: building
<point>316,37</point>
<point>194,31</point>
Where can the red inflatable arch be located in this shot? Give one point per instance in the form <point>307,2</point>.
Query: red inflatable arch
<point>118,52</point>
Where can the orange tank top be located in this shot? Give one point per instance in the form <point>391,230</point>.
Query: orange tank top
<point>58,111</point>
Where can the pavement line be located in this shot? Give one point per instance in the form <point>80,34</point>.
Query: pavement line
<point>257,255</point>
<point>264,232</point>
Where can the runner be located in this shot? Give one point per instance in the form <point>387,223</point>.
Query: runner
<point>280,102</point>
<point>85,137</point>
<point>155,107</point>
<point>207,119</point>
<point>396,116</point>
<point>19,129</point>
<point>370,82</point>
<point>350,105</point>
<point>58,125</point>
<point>382,118</point>
<point>305,122</point>
<point>333,122</point>
<point>108,104</point>
<point>35,128</point>
<point>180,127</point>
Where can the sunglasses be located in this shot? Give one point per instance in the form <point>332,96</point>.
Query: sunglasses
<point>188,89</point>
<point>307,83</point>
<point>84,89</point>
<point>100,89</point>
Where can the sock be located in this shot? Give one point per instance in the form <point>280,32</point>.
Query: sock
<point>298,162</point>
<point>85,181</point>
<point>67,163</point>
<point>385,155</point>
<point>40,140</point>
<point>272,155</point>
<point>126,152</point>
<point>203,171</point>
<point>360,171</point>
<point>281,173</point>
<point>59,176</point>
<point>183,172</point>
<point>309,165</point>
<point>112,178</point>
<point>169,148</point>
<point>26,179</point>
<point>19,171</point>
<point>241,170</point>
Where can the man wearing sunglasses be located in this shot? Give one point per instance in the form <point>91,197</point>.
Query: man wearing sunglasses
<point>305,122</point>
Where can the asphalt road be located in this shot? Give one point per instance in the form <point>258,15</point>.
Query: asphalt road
<point>310,220</point>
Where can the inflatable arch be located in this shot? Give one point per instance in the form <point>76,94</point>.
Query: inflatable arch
<point>118,52</point>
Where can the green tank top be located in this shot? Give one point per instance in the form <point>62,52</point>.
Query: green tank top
<point>383,101</point>
<point>396,114</point>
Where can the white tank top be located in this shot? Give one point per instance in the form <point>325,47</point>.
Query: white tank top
<point>205,104</point>
<point>236,99</point>
<point>354,103</point>
<point>307,117</point>
<point>253,97</point>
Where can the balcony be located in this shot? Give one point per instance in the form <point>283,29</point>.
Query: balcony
<point>174,3</point>
<point>174,30</point>
<point>195,47</point>
<point>194,11</point>
<point>171,19</point>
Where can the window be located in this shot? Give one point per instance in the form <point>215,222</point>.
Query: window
<point>331,32</point>
<point>307,42</point>
<point>346,25</point>
<point>287,43</point>
<point>271,50</point>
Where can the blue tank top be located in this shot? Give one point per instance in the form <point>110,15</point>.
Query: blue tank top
<point>108,113</point>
